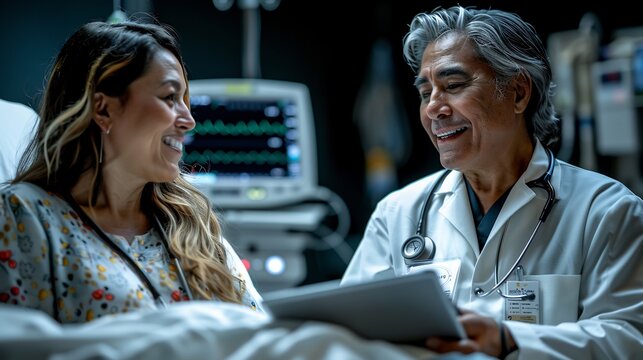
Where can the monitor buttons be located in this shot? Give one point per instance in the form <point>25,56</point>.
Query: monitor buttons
<point>256,193</point>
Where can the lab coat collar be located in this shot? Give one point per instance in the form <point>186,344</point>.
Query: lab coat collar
<point>537,166</point>
<point>457,210</point>
<point>521,194</point>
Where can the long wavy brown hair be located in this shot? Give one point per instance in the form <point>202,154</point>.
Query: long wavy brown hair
<point>102,57</point>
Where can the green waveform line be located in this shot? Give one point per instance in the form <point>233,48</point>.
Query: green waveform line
<point>263,127</point>
<point>232,157</point>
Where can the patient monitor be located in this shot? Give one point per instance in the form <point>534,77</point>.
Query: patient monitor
<point>253,153</point>
<point>254,142</point>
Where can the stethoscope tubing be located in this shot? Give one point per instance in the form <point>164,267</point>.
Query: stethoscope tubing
<point>544,182</point>
<point>481,293</point>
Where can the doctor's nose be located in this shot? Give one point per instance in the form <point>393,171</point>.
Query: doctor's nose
<point>437,107</point>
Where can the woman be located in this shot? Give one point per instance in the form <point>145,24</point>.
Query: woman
<point>99,219</point>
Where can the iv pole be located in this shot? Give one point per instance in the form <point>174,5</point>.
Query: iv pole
<point>251,32</point>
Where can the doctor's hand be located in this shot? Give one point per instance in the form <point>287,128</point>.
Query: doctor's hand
<point>483,335</point>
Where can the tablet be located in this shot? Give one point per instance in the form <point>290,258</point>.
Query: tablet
<point>405,309</point>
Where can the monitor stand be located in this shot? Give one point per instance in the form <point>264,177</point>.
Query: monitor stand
<point>271,242</point>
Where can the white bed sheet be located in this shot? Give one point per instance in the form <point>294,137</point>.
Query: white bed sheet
<point>194,330</point>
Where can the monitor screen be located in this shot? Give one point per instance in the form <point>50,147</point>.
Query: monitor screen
<point>253,145</point>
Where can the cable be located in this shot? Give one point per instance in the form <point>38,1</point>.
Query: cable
<point>334,239</point>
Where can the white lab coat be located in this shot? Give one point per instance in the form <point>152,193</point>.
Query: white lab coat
<point>587,256</point>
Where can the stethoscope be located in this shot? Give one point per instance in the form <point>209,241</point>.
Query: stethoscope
<point>419,249</point>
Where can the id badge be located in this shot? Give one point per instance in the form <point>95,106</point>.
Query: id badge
<point>447,271</point>
<point>523,310</point>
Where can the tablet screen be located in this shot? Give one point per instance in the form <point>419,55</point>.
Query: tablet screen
<point>405,309</point>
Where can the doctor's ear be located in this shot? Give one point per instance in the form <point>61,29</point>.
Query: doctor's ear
<point>101,111</point>
<point>522,86</point>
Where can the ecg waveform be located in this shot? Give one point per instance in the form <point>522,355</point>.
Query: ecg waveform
<point>264,157</point>
<point>249,128</point>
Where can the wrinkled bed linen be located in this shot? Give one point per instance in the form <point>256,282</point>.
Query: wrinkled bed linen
<point>193,330</point>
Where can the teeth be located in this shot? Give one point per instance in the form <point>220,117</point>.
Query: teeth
<point>173,143</point>
<point>449,133</point>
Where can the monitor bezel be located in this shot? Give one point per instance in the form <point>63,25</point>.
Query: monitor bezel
<point>258,191</point>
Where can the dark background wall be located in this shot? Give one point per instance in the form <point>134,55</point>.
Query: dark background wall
<point>325,45</point>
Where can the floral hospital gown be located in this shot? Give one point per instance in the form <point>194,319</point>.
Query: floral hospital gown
<point>41,236</point>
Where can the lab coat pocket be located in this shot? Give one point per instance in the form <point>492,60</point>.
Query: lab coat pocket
<point>559,297</point>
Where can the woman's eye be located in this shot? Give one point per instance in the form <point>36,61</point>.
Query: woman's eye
<point>170,98</point>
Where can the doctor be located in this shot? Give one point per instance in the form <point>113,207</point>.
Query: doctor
<point>544,258</point>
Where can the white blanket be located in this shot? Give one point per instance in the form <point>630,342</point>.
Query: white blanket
<point>194,330</point>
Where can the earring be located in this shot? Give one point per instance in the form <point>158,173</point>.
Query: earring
<point>102,136</point>
<point>100,154</point>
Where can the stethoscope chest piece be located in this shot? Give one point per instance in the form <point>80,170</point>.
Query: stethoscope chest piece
<point>418,248</point>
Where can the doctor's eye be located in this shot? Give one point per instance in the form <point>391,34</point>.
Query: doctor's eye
<point>455,85</point>
<point>425,94</point>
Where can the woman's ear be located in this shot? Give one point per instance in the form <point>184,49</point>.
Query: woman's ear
<point>101,112</point>
<point>522,86</point>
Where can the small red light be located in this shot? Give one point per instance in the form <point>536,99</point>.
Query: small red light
<point>246,263</point>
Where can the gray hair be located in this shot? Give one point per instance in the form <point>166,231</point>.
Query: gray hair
<point>503,40</point>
